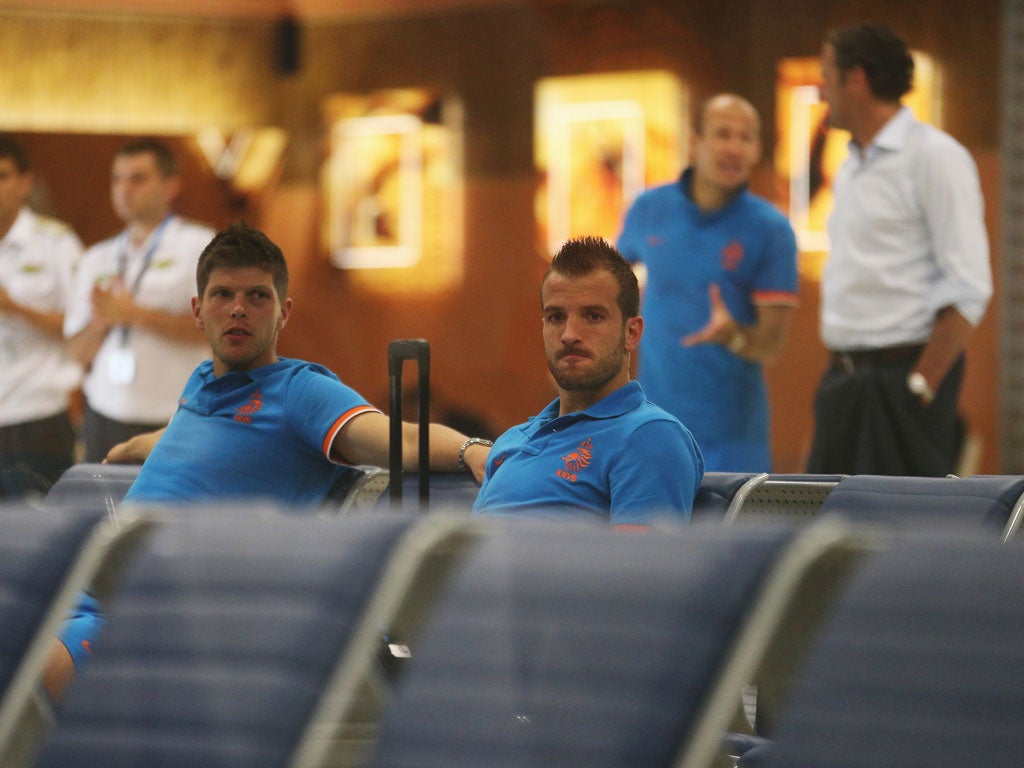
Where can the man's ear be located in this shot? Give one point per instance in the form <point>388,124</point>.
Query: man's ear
<point>858,77</point>
<point>25,183</point>
<point>197,306</point>
<point>634,330</point>
<point>286,311</point>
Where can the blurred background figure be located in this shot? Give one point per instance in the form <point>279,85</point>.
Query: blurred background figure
<point>908,276</point>
<point>37,259</point>
<point>721,287</point>
<point>130,321</point>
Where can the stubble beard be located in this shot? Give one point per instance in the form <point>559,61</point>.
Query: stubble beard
<point>604,371</point>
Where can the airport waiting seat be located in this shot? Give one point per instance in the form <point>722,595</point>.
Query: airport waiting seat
<point>716,493</point>
<point>222,639</point>
<point>780,498</point>
<point>92,486</point>
<point>46,558</point>
<point>20,483</point>
<point>919,665</point>
<point>449,492</point>
<point>991,502</point>
<point>562,644</point>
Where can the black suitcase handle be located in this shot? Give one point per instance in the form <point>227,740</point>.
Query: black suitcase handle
<point>399,351</point>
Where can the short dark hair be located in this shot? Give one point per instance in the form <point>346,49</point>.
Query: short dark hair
<point>882,54</point>
<point>13,151</point>
<point>240,246</point>
<point>166,162</point>
<point>582,255</point>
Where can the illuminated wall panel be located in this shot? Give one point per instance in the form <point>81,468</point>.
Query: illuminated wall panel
<point>599,140</point>
<point>392,185</point>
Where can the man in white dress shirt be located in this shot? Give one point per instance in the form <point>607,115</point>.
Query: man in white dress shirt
<point>908,276</point>
<point>130,321</point>
<point>37,258</point>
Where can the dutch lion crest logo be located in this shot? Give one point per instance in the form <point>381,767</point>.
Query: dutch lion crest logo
<point>575,461</point>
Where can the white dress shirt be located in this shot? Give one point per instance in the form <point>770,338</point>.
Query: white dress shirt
<point>161,365</point>
<point>907,239</point>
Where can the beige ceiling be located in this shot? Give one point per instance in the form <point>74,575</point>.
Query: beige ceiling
<point>305,9</point>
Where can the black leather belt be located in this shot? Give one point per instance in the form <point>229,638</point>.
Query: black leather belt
<point>871,358</point>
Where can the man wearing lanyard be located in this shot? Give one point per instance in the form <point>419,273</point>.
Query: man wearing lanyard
<point>130,320</point>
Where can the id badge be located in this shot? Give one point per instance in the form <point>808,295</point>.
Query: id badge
<point>122,366</point>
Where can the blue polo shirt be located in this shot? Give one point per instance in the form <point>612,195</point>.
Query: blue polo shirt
<point>624,459</point>
<point>259,434</point>
<point>747,248</point>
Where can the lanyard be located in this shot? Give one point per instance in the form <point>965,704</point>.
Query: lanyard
<point>147,260</point>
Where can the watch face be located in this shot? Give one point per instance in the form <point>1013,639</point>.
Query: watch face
<point>918,385</point>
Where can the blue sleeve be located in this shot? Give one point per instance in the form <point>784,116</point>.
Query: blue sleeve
<point>80,629</point>
<point>657,473</point>
<point>317,400</point>
<point>630,242</point>
<point>777,271</point>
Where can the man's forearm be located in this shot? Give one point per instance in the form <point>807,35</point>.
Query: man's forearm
<point>764,341</point>
<point>445,445</point>
<point>946,343</point>
<point>50,323</point>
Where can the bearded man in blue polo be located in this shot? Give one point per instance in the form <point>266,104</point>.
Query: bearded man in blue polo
<point>601,450</point>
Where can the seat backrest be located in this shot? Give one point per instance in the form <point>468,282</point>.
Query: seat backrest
<point>568,644</point>
<point>920,664</point>
<point>46,557</point>
<point>342,494</point>
<point>781,499</point>
<point>716,493</point>
<point>221,640</point>
<point>92,486</point>
<point>449,492</point>
<point>38,549</point>
<point>980,501</point>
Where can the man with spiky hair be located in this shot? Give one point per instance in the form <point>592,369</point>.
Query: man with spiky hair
<point>601,450</point>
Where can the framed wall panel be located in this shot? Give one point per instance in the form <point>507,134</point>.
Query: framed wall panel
<point>392,181</point>
<point>600,140</point>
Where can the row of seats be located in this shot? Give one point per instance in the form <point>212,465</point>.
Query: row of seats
<point>990,502</point>
<point>993,503</point>
<point>358,489</point>
<point>253,637</point>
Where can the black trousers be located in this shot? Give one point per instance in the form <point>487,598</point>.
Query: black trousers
<point>33,454</point>
<point>868,422</point>
<point>101,434</point>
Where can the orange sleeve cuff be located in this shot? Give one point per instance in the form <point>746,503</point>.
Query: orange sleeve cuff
<point>776,298</point>
<point>340,422</point>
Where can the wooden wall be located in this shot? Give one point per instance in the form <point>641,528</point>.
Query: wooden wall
<point>129,75</point>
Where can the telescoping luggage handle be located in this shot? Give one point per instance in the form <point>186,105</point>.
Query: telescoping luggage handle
<point>399,351</point>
